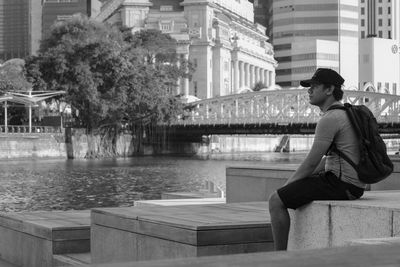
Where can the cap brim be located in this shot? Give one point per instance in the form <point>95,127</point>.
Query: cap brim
<point>306,83</point>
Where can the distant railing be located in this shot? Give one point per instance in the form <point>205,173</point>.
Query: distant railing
<point>14,129</point>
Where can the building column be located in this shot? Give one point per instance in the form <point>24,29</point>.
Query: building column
<point>242,74</point>
<point>257,75</point>
<point>186,79</point>
<point>247,70</point>
<point>272,78</point>
<point>236,75</point>
<point>267,78</point>
<point>179,81</point>
<point>251,76</point>
<point>262,76</point>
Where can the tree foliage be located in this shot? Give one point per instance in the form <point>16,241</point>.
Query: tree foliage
<point>258,86</point>
<point>12,76</point>
<point>110,75</point>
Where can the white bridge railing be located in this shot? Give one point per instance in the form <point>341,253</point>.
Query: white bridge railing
<point>281,107</point>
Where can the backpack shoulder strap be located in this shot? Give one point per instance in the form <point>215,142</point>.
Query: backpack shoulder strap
<point>353,121</point>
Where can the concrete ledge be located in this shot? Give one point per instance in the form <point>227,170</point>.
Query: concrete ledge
<point>324,224</point>
<point>366,256</point>
<point>180,202</point>
<point>149,233</point>
<point>32,238</point>
<point>247,184</point>
<point>374,241</point>
<point>186,195</point>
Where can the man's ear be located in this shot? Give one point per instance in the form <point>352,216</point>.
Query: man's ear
<point>329,89</point>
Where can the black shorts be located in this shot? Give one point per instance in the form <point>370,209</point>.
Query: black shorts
<point>324,186</point>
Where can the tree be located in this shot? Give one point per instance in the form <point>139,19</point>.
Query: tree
<point>258,86</point>
<point>110,75</point>
<point>12,76</point>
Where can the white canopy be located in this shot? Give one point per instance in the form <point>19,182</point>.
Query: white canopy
<point>29,99</point>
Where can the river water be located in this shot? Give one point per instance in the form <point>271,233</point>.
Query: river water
<point>28,185</point>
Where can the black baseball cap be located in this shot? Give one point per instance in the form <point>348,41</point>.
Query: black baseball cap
<point>325,76</point>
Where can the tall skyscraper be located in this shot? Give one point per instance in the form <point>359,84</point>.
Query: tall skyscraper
<point>19,28</point>
<point>379,18</point>
<point>311,34</point>
<point>59,10</point>
<point>379,45</point>
<point>24,22</point>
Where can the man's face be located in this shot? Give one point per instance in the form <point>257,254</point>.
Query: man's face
<point>317,94</point>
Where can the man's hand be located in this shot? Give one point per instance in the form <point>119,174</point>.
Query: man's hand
<point>311,162</point>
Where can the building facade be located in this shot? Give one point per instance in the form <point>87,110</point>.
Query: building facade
<point>60,10</point>
<point>229,51</point>
<point>379,18</point>
<point>379,46</point>
<point>311,34</point>
<point>23,23</point>
<point>19,28</point>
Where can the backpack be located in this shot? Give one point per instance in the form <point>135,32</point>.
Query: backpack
<point>374,164</point>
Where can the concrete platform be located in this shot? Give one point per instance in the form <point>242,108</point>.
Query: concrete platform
<point>247,184</point>
<point>150,233</point>
<point>323,224</point>
<point>32,238</point>
<point>355,256</point>
<point>180,202</point>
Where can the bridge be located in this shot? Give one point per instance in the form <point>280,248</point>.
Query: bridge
<point>276,112</point>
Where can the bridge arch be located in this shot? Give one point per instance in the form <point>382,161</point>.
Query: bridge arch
<point>283,107</point>
<point>369,87</point>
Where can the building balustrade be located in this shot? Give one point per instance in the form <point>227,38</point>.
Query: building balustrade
<point>24,129</point>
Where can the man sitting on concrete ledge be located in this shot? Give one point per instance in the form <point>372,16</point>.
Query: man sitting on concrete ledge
<point>320,177</point>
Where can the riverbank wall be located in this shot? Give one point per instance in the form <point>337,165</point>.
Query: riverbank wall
<point>42,145</point>
<point>74,143</point>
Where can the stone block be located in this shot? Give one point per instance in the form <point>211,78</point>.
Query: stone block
<point>396,223</point>
<point>254,184</point>
<point>32,238</point>
<point>351,222</point>
<point>310,227</point>
<point>152,233</point>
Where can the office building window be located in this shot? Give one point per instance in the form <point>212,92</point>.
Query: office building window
<point>389,10</point>
<point>389,22</point>
<point>379,22</point>
<point>166,27</point>
<point>380,34</point>
<point>394,91</point>
<point>389,35</point>
<point>379,86</point>
<point>380,10</point>
<point>362,34</point>
<point>362,22</point>
<point>362,10</point>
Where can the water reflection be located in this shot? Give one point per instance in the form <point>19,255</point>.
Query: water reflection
<point>83,184</point>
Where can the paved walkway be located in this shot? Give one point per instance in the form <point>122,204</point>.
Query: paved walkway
<point>366,256</point>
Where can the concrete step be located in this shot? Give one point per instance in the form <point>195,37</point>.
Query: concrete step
<point>162,232</point>
<point>77,259</point>
<point>354,256</point>
<point>180,202</point>
<point>32,238</point>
